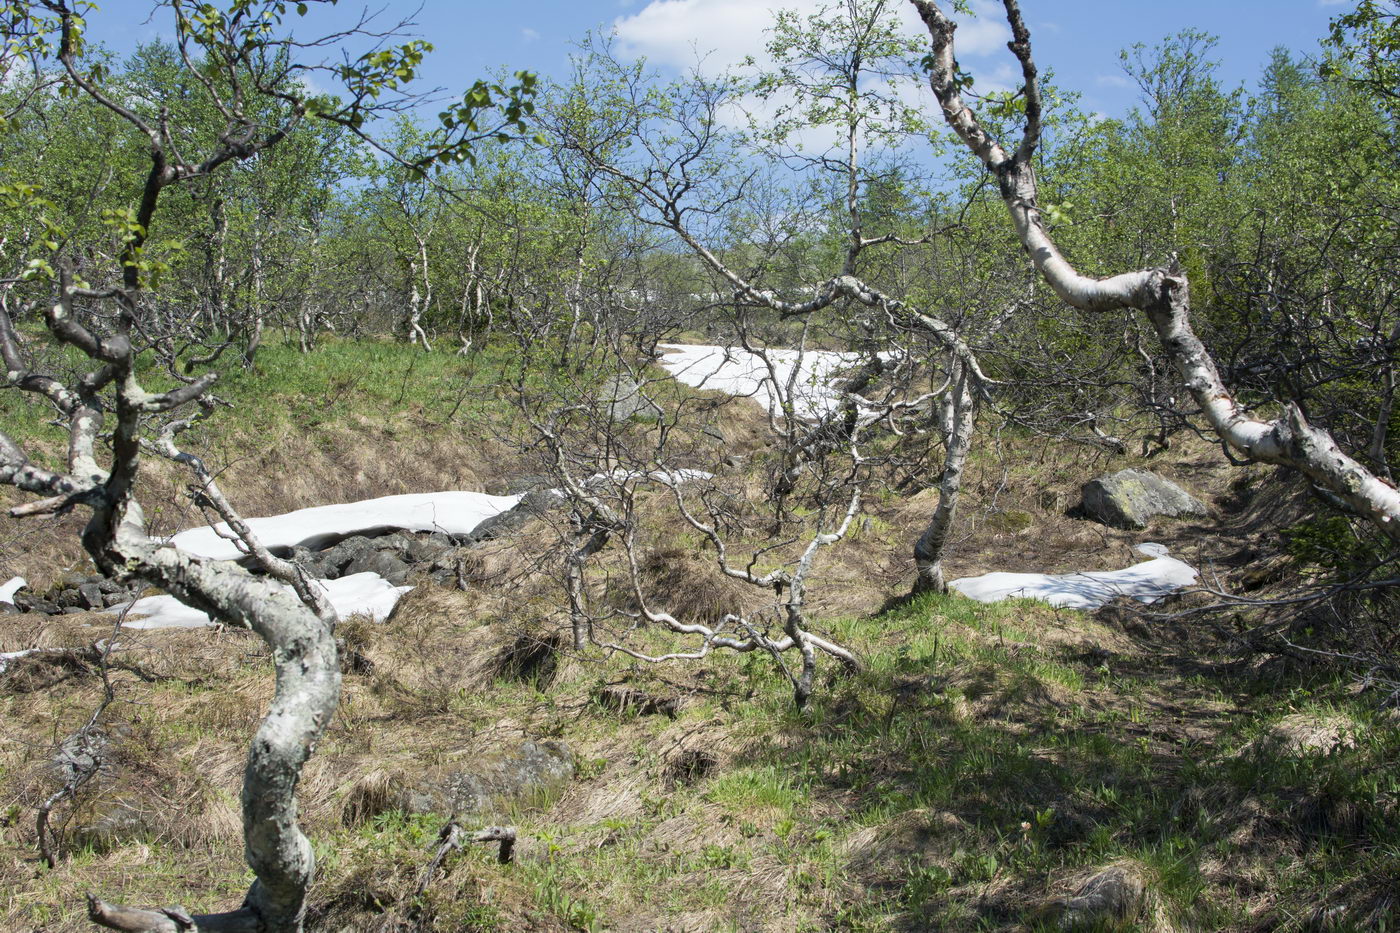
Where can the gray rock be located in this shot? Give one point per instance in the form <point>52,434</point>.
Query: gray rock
<point>67,598</point>
<point>623,397</point>
<point>1114,895</point>
<point>535,503</point>
<point>383,563</point>
<point>90,596</point>
<point>1132,498</point>
<point>489,787</point>
<point>425,550</point>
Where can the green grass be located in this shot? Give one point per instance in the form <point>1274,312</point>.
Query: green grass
<point>993,766</point>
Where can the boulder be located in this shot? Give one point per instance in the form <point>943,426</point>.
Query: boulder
<point>426,550</point>
<point>1104,901</point>
<point>1132,498</point>
<point>535,503</point>
<point>623,397</point>
<point>487,787</point>
<point>383,563</point>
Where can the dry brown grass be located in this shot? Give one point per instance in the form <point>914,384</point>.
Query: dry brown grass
<point>347,459</point>
<point>438,689</point>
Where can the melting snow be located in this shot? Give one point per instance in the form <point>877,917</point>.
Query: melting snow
<point>1146,582</point>
<point>664,477</point>
<point>367,593</point>
<point>7,656</point>
<point>738,372</point>
<point>10,588</point>
<point>455,513</point>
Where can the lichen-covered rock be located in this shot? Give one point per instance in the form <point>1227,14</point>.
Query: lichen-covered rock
<point>487,787</point>
<point>1110,898</point>
<point>1132,498</point>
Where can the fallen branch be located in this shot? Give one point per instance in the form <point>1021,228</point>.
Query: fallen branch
<point>451,838</point>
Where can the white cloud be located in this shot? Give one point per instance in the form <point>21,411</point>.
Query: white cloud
<point>528,34</point>
<point>1000,79</point>
<point>985,34</point>
<point>722,33</point>
<point>715,35</point>
<point>682,33</point>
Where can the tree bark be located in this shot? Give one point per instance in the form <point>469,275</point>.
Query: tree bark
<point>957,419</point>
<point>1162,294</point>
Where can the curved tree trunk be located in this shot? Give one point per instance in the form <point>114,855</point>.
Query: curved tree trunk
<point>308,672</point>
<point>1163,294</point>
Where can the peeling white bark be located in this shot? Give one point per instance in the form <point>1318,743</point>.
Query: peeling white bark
<point>303,648</point>
<point>1163,294</point>
<point>957,419</point>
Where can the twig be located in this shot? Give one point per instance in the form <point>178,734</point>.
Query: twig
<point>451,838</point>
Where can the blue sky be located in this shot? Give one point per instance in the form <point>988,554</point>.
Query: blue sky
<point>1077,39</point>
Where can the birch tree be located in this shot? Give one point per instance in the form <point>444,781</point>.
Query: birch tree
<point>247,54</point>
<point>1161,293</point>
<point>831,111</point>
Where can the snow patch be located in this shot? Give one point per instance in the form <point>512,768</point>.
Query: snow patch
<point>454,513</point>
<point>738,372</point>
<point>7,656</point>
<point>367,593</point>
<point>10,588</point>
<point>1146,582</point>
<point>664,477</point>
